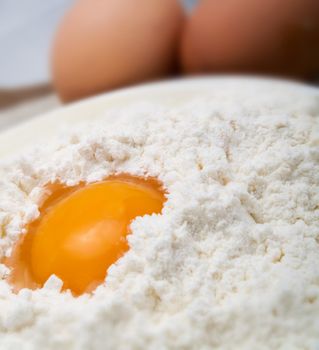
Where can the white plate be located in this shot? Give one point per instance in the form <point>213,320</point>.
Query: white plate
<point>168,93</point>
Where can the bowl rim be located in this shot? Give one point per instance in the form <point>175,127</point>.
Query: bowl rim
<point>41,128</point>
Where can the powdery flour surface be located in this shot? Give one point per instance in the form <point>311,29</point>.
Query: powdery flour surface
<point>232,262</point>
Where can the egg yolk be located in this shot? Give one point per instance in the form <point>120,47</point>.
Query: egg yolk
<point>81,231</point>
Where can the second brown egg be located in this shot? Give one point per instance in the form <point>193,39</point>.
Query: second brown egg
<point>256,36</point>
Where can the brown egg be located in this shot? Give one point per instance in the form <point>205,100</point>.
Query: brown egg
<point>105,44</point>
<point>267,36</point>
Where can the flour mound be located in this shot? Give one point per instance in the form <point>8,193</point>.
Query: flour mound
<point>233,260</point>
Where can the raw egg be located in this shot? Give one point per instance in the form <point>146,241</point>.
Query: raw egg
<point>102,45</point>
<point>258,36</point>
<point>81,231</point>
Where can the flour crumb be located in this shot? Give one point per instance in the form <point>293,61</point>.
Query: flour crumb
<point>53,283</point>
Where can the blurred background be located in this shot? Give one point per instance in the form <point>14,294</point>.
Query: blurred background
<point>58,51</point>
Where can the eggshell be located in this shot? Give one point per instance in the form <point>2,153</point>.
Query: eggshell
<point>102,45</point>
<point>269,36</point>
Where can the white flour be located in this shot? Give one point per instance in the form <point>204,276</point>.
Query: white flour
<point>233,261</point>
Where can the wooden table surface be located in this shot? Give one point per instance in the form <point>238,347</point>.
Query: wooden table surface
<point>20,105</point>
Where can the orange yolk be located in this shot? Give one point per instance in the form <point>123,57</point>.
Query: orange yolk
<point>81,231</point>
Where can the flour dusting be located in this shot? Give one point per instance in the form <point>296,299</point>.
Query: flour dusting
<point>233,260</point>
